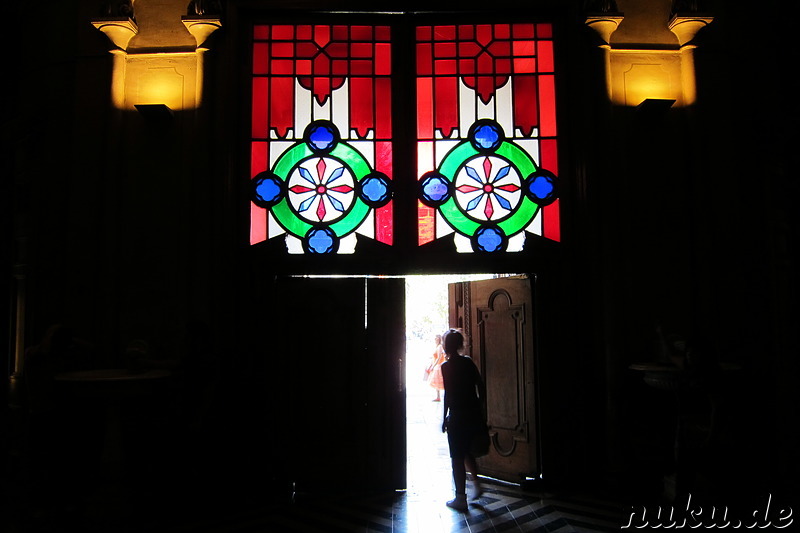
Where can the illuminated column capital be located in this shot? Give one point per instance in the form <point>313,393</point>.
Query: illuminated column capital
<point>685,27</point>
<point>605,24</point>
<point>119,30</point>
<point>201,27</point>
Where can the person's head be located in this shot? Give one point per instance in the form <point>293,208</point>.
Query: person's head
<point>453,341</point>
<point>438,340</point>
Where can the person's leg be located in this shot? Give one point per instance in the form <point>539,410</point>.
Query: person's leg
<point>459,472</point>
<point>471,466</point>
<point>459,476</point>
<point>460,480</point>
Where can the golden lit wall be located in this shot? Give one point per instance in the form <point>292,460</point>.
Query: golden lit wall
<point>649,52</point>
<point>158,58</point>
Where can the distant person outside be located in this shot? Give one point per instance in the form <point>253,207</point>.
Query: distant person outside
<point>435,369</point>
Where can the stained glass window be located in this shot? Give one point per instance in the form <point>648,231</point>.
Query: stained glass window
<point>486,135</point>
<point>321,146</point>
<point>321,151</point>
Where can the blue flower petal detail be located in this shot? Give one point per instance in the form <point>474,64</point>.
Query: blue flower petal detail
<point>505,204</point>
<point>474,202</point>
<point>307,203</point>
<point>335,175</point>
<point>473,174</point>
<point>335,203</point>
<point>502,173</point>
<point>307,175</point>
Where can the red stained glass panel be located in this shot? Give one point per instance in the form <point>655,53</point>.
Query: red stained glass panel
<point>502,31</point>
<point>281,97</point>
<point>361,50</point>
<point>362,68</point>
<point>545,55</point>
<point>361,33</point>
<point>425,108</point>
<point>424,58</point>
<point>282,32</point>
<point>526,110</point>
<point>544,31</point>
<point>547,100</point>
<point>260,58</point>
<point>361,111</point>
<point>338,74</point>
<point>259,113</point>
<point>383,59</point>
<point>426,220</point>
<point>383,114</point>
<point>484,34</point>
<point>500,72</point>
<point>446,106</point>
<point>524,65</point>
<point>259,157</point>
<point>446,67</point>
<point>523,31</point>
<point>445,33</point>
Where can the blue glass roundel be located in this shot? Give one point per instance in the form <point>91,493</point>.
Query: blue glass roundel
<point>486,135</point>
<point>321,241</point>
<point>435,189</point>
<point>321,136</point>
<point>375,189</point>
<point>489,239</point>
<point>267,189</point>
<point>542,187</point>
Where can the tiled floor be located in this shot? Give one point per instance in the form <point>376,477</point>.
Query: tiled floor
<point>419,509</point>
<point>500,509</point>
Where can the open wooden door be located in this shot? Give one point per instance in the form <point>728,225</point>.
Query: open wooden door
<point>497,319</point>
<point>338,392</point>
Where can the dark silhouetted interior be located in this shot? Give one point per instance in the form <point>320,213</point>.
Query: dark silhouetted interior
<point>166,360</point>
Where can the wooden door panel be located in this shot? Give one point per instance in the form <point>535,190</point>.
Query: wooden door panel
<point>497,317</point>
<point>386,389</point>
<point>499,336</point>
<point>334,422</point>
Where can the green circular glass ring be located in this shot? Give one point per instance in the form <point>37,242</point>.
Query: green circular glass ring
<point>349,157</point>
<point>458,219</point>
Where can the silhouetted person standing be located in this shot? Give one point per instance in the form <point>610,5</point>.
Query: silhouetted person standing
<point>464,394</point>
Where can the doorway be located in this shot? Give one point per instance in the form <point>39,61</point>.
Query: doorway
<point>496,314</point>
<point>429,476</point>
<point>340,343</point>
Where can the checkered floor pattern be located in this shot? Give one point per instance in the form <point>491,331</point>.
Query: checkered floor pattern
<point>501,508</point>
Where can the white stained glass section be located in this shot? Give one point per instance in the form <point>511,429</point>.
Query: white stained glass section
<point>340,107</point>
